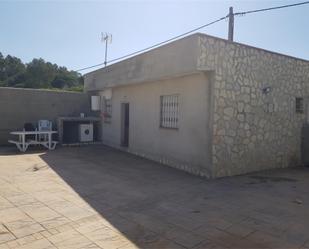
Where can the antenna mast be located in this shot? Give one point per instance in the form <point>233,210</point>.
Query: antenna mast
<point>107,38</point>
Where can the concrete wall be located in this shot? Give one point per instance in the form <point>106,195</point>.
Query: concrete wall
<point>187,148</point>
<point>254,131</point>
<point>18,106</point>
<point>174,59</point>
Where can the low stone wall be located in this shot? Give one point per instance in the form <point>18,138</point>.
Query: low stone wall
<point>19,106</point>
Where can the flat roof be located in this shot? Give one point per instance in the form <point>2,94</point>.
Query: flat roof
<point>208,36</point>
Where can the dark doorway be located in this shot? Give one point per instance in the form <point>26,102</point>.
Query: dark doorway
<point>125,119</point>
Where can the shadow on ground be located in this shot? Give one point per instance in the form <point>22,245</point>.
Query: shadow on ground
<point>159,207</point>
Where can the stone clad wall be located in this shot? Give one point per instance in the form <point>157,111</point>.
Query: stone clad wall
<point>253,130</point>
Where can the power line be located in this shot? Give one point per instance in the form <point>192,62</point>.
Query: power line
<point>193,30</point>
<point>171,39</point>
<point>272,8</point>
<point>156,45</point>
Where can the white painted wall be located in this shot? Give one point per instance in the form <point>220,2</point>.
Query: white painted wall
<point>188,147</point>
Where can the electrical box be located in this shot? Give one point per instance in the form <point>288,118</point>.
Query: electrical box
<point>86,132</point>
<point>95,103</point>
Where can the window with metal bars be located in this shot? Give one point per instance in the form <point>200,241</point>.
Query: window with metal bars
<point>299,104</point>
<point>169,111</point>
<point>107,110</point>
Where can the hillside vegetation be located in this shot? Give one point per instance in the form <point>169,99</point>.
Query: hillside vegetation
<point>37,74</point>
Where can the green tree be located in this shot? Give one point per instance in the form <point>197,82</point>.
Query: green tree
<point>66,79</point>
<point>37,74</point>
<point>2,70</point>
<point>12,70</point>
<point>58,82</point>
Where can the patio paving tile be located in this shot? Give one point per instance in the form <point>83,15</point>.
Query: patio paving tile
<point>38,244</point>
<point>73,212</point>
<point>54,222</point>
<point>22,199</point>
<point>4,246</point>
<point>306,244</point>
<point>21,228</point>
<point>12,214</point>
<point>185,238</point>
<point>240,230</point>
<point>5,234</point>
<point>4,203</point>
<point>63,236</point>
<point>39,213</point>
<point>268,241</point>
<point>26,240</point>
<point>107,238</point>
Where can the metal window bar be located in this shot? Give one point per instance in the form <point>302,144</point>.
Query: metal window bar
<point>169,111</point>
<point>299,105</point>
<point>109,107</point>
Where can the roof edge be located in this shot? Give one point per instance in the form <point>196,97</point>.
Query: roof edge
<point>143,53</point>
<point>205,35</point>
<point>253,47</point>
<point>171,76</point>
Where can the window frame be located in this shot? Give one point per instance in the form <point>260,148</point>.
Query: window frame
<point>107,110</point>
<point>170,112</point>
<point>299,105</point>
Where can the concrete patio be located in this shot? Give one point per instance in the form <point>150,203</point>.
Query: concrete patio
<point>97,197</point>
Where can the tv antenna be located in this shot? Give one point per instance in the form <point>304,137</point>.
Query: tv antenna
<point>107,38</point>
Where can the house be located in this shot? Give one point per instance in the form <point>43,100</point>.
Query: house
<point>205,105</point>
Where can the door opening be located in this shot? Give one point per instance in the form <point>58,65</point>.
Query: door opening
<point>125,121</point>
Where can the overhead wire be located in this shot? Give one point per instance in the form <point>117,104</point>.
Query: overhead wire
<point>193,30</point>
<point>272,8</point>
<point>157,44</point>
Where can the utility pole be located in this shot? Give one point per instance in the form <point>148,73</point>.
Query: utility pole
<point>107,38</point>
<point>231,25</point>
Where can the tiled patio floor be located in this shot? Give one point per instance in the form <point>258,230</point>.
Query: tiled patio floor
<point>96,197</point>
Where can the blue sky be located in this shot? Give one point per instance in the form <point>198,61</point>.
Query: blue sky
<point>68,32</point>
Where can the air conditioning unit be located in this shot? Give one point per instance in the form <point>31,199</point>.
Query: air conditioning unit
<point>86,132</point>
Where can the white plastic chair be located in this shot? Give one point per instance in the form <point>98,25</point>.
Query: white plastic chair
<point>44,125</point>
